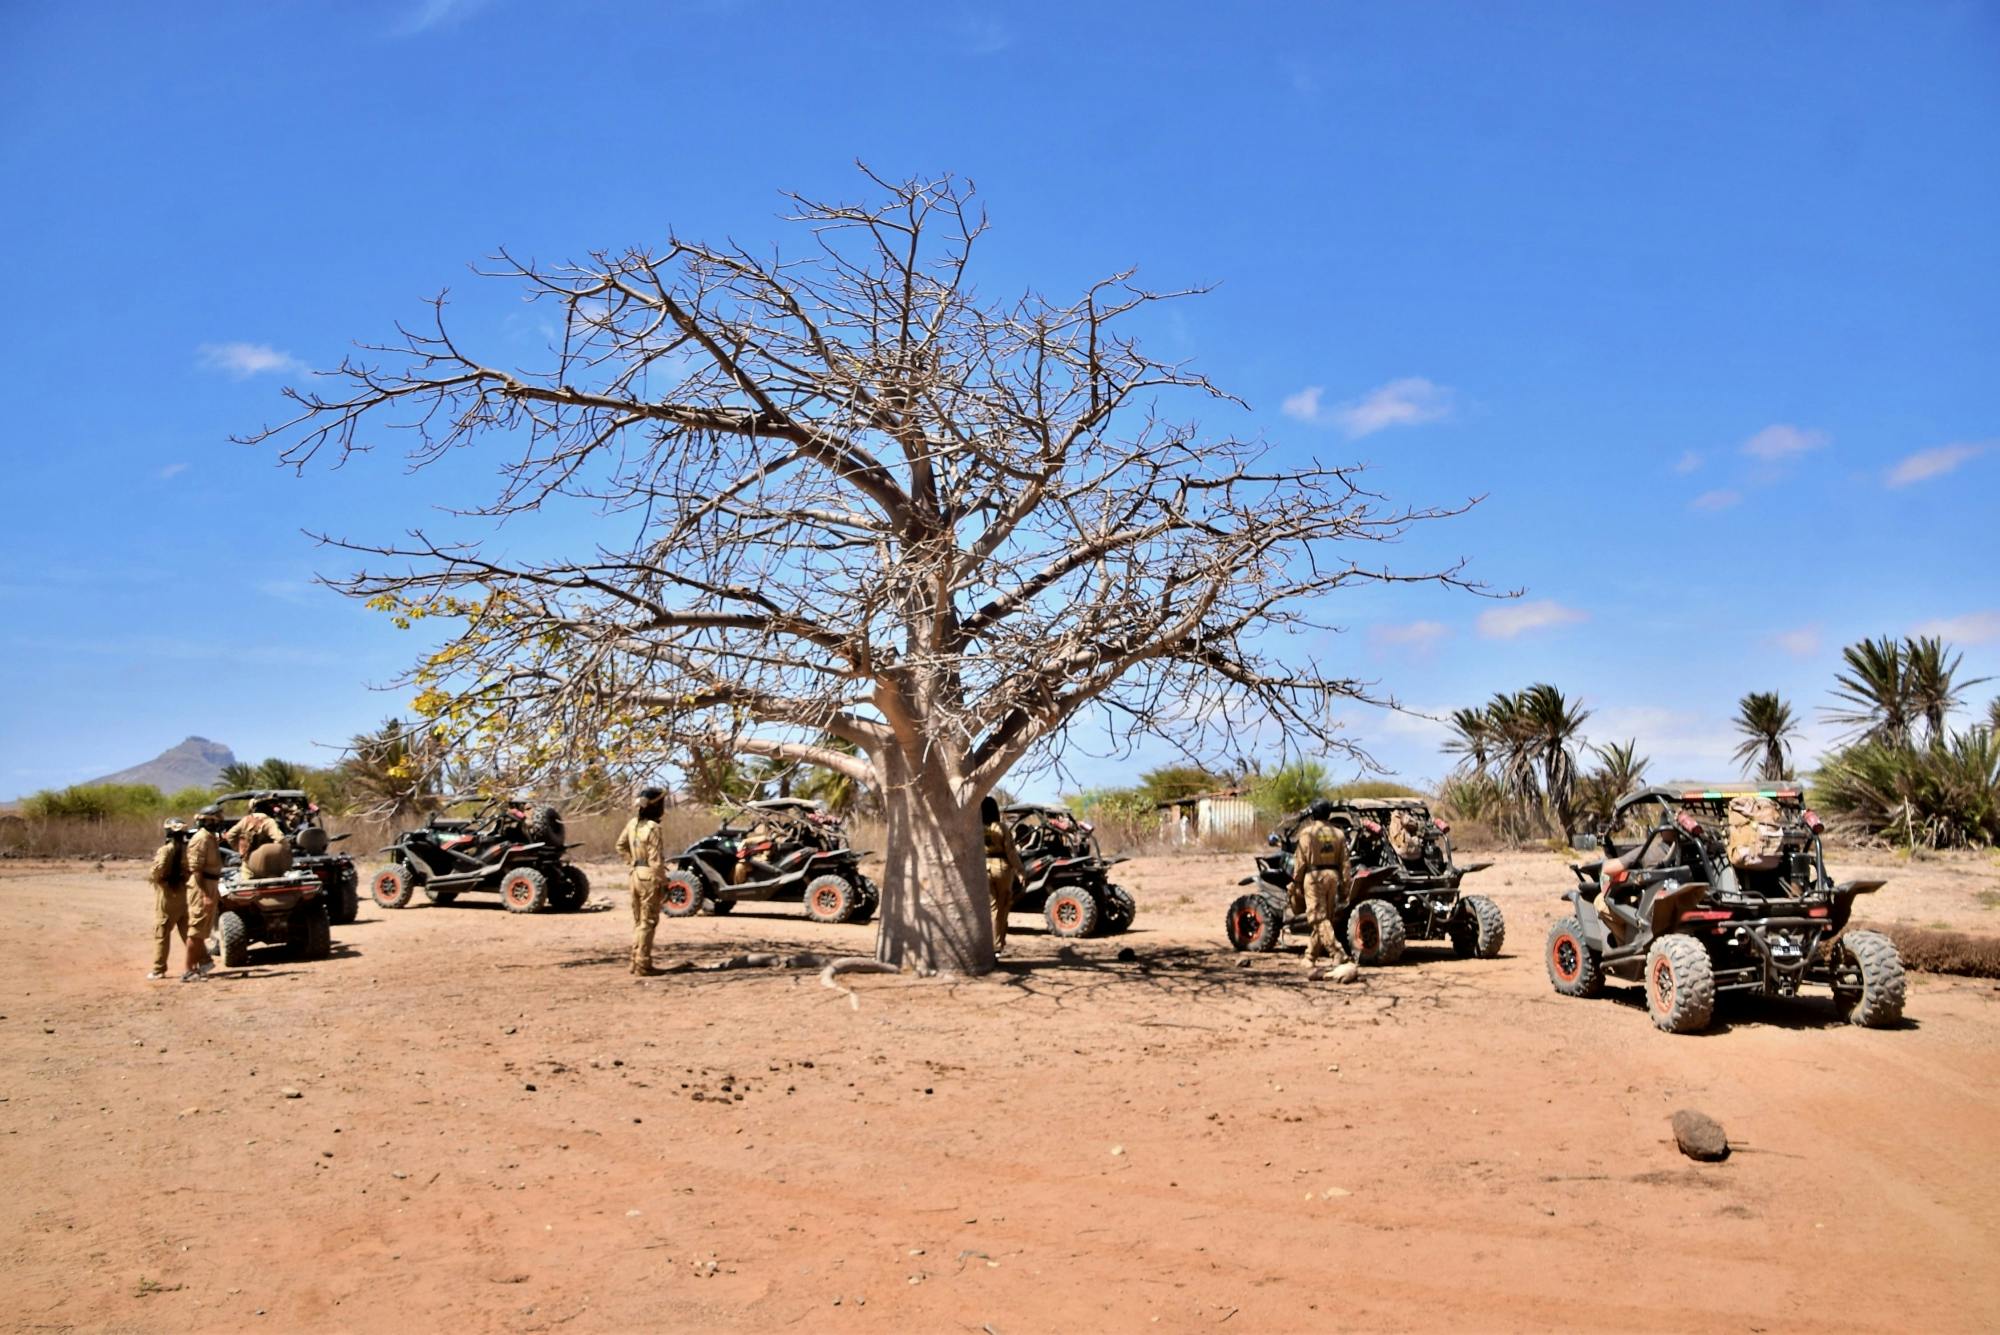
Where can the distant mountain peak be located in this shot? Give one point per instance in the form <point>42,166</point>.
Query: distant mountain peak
<point>195,763</point>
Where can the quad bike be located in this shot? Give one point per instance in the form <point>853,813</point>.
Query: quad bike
<point>301,819</point>
<point>799,854</point>
<point>513,848</point>
<point>1405,887</point>
<point>1065,877</point>
<point>289,910</point>
<point>1692,919</point>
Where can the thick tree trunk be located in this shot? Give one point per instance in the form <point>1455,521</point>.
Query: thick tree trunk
<point>936,917</point>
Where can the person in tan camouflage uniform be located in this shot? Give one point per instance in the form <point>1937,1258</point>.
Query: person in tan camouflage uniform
<point>204,888</point>
<point>1320,874</point>
<point>257,829</point>
<point>644,851</point>
<point>762,839</point>
<point>170,909</point>
<point>1003,868</point>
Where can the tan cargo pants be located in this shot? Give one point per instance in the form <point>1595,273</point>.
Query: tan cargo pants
<point>1000,885</point>
<point>170,915</point>
<point>1323,906</point>
<point>646,896</point>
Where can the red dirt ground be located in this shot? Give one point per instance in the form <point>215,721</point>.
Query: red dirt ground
<point>498,1129</point>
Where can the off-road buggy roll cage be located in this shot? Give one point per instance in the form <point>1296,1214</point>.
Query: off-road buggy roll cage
<point>1395,899</point>
<point>514,846</point>
<point>1065,876</point>
<point>816,865</point>
<point>1694,924</point>
<point>302,821</point>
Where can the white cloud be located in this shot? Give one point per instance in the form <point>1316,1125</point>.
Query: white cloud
<point>1927,464</point>
<point>1782,440</point>
<point>1504,623</point>
<point>170,472</point>
<point>1687,463</point>
<point>1972,628</point>
<point>1410,401</point>
<point>1799,642</point>
<point>1720,499</point>
<point>243,360</point>
<point>1418,635</point>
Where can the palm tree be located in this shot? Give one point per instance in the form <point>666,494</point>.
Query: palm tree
<point>1472,739</point>
<point>1874,692</point>
<point>1513,744</point>
<point>388,771</point>
<point>276,773</point>
<point>1554,725</point>
<point>1993,716</point>
<point>1929,673</point>
<point>1620,765</point>
<point>1768,727</point>
<point>235,777</point>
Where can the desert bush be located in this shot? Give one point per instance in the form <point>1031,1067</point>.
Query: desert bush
<point>95,801</point>
<point>1933,951</point>
<point>1943,794</point>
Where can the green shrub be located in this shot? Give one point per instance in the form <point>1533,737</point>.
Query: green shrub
<point>96,801</point>
<point>1945,794</point>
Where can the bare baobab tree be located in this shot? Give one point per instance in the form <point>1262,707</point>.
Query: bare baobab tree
<point>841,495</point>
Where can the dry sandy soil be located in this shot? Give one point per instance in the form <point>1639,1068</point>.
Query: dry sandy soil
<point>498,1129</point>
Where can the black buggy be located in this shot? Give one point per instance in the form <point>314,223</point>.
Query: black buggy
<point>1065,877</point>
<point>305,831</point>
<point>1708,901</point>
<point>513,848</point>
<point>797,852</point>
<point>1405,887</point>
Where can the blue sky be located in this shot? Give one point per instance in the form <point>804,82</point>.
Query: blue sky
<point>1702,299</point>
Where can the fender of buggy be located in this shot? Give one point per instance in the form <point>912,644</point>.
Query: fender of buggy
<point>1861,887</point>
<point>1472,867</point>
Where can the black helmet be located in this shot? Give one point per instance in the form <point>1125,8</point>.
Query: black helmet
<point>651,798</point>
<point>1321,809</point>
<point>210,814</point>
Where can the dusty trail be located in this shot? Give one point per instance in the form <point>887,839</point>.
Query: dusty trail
<point>498,1130</point>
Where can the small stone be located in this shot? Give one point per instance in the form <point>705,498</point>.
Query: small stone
<point>1117,1151</point>
<point>291,1093</point>
<point>1243,963</point>
<point>632,1214</point>
<point>1332,1192</point>
<point>190,1112</point>
<point>529,1088</point>
<point>399,1175</point>
<point>508,1030</point>
<point>1127,955</point>
<point>1700,1136</point>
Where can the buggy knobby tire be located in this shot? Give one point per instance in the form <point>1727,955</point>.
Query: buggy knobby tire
<point>1254,923</point>
<point>680,895</point>
<point>1680,984</point>
<point>571,890</point>
<point>391,888</point>
<point>831,898</point>
<point>871,900</point>
<point>442,898</point>
<point>1071,911</point>
<point>1478,928</point>
<point>1878,1002</point>
<point>545,826</point>
<point>524,890</point>
<point>1375,930</point>
<point>1573,968</point>
<point>1119,909</point>
<point>232,936</point>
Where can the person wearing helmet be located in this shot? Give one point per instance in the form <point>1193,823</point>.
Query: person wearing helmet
<point>204,868</point>
<point>640,844</point>
<point>1003,868</point>
<point>170,909</point>
<point>1320,874</point>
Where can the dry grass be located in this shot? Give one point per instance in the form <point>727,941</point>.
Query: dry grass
<point>1929,950</point>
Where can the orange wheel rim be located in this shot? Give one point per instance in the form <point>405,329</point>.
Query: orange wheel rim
<point>1567,958</point>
